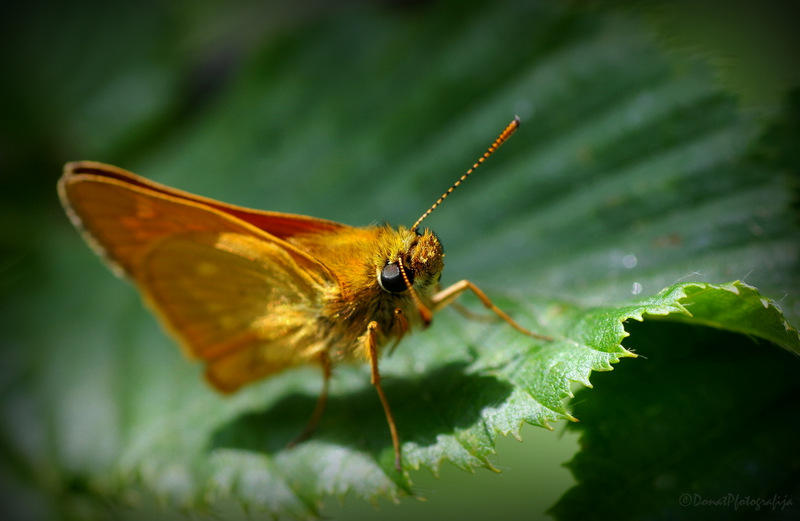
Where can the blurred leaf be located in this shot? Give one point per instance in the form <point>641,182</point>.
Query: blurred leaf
<point>631,172</point>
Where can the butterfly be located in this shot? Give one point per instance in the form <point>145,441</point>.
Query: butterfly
<point>252,293</point>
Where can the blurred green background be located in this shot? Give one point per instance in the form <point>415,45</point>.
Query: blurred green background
<point>366,111</point>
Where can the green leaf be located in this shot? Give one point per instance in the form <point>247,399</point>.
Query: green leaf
<point>632,171</point>
<point>704,428</point>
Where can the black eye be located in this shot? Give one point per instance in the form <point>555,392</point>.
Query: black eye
<point>391,278</point>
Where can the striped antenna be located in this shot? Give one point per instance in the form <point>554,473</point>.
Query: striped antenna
<point>507,133</point>
<point>424,312</point>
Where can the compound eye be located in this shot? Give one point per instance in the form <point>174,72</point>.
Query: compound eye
<point>391,278</point>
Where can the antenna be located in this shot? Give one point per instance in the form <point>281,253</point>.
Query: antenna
<point>507,133</point>
<point>424,312</point>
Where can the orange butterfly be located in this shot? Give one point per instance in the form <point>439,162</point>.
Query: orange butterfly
<point>252,292</point>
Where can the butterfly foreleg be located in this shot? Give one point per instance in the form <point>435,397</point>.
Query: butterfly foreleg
<point>371,349</point>
<point>401,327</point>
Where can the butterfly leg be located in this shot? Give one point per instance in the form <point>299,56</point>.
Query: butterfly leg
<point>319,408</point>
<point>372,356</point>
<point>401,319</point>
<point>448,295</point>
<point>471,315</point>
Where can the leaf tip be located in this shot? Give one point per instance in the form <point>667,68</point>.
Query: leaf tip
<point>488,465</point>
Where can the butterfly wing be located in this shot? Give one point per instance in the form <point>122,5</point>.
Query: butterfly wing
<point>242,299</point>
<point>236,301</point>
<point>122,215</point>
<point>280,225</point>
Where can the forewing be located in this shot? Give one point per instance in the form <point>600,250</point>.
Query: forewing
<point>240,298</point>
<point>240,303</point>
<point>93,192</point>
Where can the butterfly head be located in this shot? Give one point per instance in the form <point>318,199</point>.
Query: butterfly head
<point>416,262</point>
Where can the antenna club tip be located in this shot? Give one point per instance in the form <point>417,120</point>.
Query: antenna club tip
<point>507,133</point>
